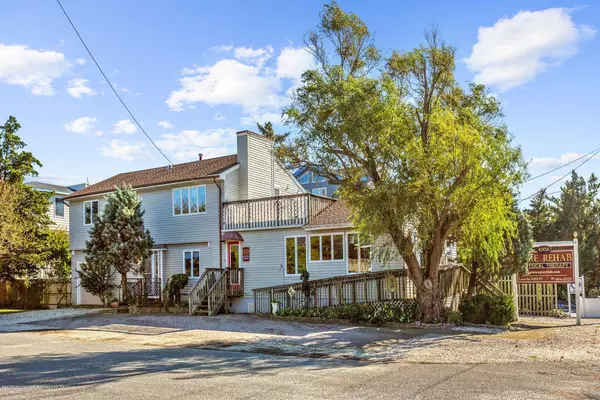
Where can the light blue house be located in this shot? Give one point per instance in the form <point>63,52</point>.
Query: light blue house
<point>315,183</point>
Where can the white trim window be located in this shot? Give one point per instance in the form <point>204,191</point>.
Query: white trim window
<point>327,247</point>
<point>189,200</point>
<point>359,255</point>
<point>90,211</point>
<point>322,191</point>
<point>295,254</point>
<point>59,207</point>
<point>304,178</point>
<point>191,263</point>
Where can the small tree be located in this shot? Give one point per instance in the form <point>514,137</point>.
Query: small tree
<point>118,238</point>
<point>96,278</point>
<point>58,255</point>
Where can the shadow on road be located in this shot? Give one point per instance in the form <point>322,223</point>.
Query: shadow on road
<point>103,367</point>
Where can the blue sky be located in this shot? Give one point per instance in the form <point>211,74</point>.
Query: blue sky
<point>195,72</point>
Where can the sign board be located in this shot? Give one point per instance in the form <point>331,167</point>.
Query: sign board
<point>245,254</point>
<point>550,264</point>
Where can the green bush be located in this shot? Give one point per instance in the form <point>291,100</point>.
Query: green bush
<point>486,309</point>
<point>377,314</point>
<point>173,288</point>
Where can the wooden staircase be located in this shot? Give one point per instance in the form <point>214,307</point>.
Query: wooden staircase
<point>212,291</point>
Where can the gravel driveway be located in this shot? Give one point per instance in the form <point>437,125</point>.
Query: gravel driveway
<point>553,340</point>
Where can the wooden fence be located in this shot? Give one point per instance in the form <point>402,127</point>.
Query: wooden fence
<point>41,293</point>
<point>371,287</point>
<point>534,298</point>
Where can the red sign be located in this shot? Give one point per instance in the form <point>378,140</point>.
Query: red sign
<point>245,254</point>
<point>549,264</point>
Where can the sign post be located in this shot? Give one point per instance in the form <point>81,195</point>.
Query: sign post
<point>576,269</point>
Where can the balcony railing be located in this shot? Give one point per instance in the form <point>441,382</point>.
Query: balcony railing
<point>272,212</point>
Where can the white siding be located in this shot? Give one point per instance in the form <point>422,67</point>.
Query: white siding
<point>267,261</point>
<point>59,222</point>
<point>231,186</point>
<point>164,227</point>
<point>260,171</point>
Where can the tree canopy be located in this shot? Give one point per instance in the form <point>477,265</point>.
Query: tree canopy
<point>437,157</point>
<point>15,164</point>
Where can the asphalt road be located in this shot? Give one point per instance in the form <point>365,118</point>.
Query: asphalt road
<point>42,365</point>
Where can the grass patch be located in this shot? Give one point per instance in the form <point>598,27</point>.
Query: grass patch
<point>9,311</point>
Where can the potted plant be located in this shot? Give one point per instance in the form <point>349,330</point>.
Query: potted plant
<point>275,306</point>
<point>114,303</point>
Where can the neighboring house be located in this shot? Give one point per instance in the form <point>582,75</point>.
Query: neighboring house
<point>315,183</point>
<point>58,211</point>
<point>244,212</point>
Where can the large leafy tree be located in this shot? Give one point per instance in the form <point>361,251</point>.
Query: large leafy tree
<point>118,238</point>
<point>436,157</point>
<point>25,223</point>
<point>15,164</point>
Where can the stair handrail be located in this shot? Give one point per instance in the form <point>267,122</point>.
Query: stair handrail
<point>217,295</point>
<point>200,289</point>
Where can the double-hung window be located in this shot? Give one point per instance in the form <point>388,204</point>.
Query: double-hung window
<point>191,263</point>
<point>359,254</point>
<point>189,200</point>
<point>59,207</point>
<point>295,254</point>
<point>327,247</point>
<point>90,211</point>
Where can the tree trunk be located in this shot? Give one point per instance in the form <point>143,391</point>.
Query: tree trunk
<point>124,286</point>
<point>428,296</point>
<point>472,280</point>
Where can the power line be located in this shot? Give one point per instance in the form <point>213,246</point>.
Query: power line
<point>561,166</point>
<point>564,176</point>
<point>110,84</point>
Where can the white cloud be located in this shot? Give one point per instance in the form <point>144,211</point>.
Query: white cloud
<point>515,50</point>
<point>124,126</point>
<point>551,162</point>
<point>186,144</point>
<point>165,124</point>
<point>34,69</point>
<point>253,118</point>
<point>259,87</point>
<point>227,82</point>
<point>60,179</point>
<point>123,150</point>
<point>83,125</point>
<point>256,57</point>
<point>78,88</point>
<point>80,61</point>
<point>293,62</point>
<point>222,47</point>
